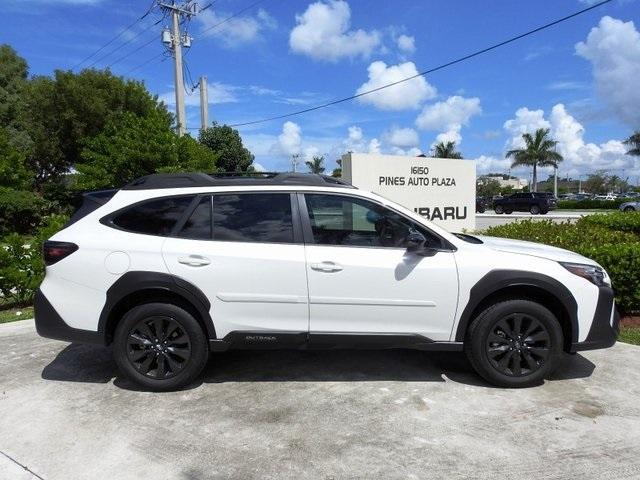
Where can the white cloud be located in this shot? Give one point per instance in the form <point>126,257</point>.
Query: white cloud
<point>290,140</point>
<point>237,30</point>
<point>613,48</point>
<point>355,141</point>
<point>406,43</point>
<point>449,117</point>
<point>258,167</point>
<point>489,164</point>
<point>402,137</point>
<point>403,96</point>
<point>218,93</point>
<point>374,146</point>
<point>579,156</point>
<point>323,32</point>
<point>526,121</point>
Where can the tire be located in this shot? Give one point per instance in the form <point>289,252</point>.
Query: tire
<point>499,209</point>
<point>502,359</point>
<point>508,211</point>
<point>160,346</point>
<point>534,209</point>
<point>629,209</point>
<point>480,210</point>
<point>544,212</point>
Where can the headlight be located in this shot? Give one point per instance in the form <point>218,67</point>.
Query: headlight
<point>594,274</point>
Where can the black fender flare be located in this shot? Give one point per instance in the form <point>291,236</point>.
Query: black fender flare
<point>497,280</point>
<point>135,281</point>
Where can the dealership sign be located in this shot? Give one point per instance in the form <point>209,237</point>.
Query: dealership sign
<point>442,190</point>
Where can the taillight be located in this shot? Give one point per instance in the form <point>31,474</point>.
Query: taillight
<point>53,252</point>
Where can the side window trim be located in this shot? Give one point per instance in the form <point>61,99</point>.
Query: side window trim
<point>308,231</point>
<point>187,214</point>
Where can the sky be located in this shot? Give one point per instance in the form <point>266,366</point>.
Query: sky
<point>580,79</point>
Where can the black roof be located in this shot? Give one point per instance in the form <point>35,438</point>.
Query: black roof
<point>182,180</point>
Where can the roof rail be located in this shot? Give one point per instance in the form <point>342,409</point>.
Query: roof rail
<point>184,180</point>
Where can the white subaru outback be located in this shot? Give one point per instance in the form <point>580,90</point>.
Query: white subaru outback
<point>174,266</point>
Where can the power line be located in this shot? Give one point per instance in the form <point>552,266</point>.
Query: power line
<point>426,72</point>
<point>148,27</point>
<point>126,29</point>
<point>231,17</point>
<point>208,29</point>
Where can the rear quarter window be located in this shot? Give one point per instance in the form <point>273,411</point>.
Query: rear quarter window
<point>152,217</point>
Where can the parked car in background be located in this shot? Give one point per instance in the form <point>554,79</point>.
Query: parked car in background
<point>536,203</point>
<point>630,207</point>
<point>481,205</point>
<point>608,197</point>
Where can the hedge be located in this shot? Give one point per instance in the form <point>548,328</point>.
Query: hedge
<point>592,204</point>
<point>20,211</point>
<point>612,242</point>
<point>21,265</point>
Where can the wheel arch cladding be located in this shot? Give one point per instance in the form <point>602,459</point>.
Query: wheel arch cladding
<point>498,285</point>
<point>139,287</point>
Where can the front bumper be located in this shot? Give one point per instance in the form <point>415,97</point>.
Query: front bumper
<point>605,325</point>
<point>50,324</point>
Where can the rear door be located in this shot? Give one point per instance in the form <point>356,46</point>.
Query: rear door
<point>244,250</point>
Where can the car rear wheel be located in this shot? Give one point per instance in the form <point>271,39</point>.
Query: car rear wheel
<point>629,209</point>
<point>534,209</point>
<point>160,346</point>
<point>498,209</point>
<point>508,211</point>
<point>515,343</point>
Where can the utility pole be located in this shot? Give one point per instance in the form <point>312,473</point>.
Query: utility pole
<point>204,103</point>
<point>555,180</point>
<point>175,41</point>
<point>294,161</point>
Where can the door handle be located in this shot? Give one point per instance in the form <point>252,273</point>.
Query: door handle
<point>328,267</point>
<point>194,261</point>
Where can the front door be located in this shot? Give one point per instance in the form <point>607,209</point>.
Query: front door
<point>363,280</point>
<point>241,251</point>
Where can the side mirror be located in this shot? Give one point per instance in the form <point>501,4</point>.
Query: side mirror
<point>416,241</point>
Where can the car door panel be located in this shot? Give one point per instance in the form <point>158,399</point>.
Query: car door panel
<point>370,289</point>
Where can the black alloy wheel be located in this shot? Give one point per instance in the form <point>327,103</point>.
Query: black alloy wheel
<point>535,209</point>
<point>158,347</point>
<point>499,209</point>
<point>629,209</point>
<point>518,345</point>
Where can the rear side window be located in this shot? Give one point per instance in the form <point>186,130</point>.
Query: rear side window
<point>253,217</point>
<point>154,217</point>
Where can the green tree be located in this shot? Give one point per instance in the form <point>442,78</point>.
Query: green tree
<point>488,187</point>
<point>634,143</point>
<point>70,107</point>
<point>316,164</point>
<point>227,144</point>
<point>445,150</point>
<point>193,157</point>
<point>13,106</point>
<point>337,172</point>
<point>539,151</point>
<point>13,169</point>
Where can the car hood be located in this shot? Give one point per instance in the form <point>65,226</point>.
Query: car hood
<point>534,249</point>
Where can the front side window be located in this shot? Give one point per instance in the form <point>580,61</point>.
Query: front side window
<point>253,217</point>
<point>350,221</point>
<point>154,217</point>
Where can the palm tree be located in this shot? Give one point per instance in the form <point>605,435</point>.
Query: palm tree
<point>316,165</point>
<point>539,151</point>
<point>446,150</point>
<point>634,142</point>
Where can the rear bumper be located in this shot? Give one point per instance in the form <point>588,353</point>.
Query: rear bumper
<point>50,324</point>
<point>605,325</point>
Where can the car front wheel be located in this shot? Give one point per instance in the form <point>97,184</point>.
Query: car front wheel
<point>515,343</point>
<point>160,346</point>
<point>629,209</point>
<point>535,209</point>
<point>498,209</point>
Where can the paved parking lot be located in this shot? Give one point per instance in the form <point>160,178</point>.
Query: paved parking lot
<point>65,413</point>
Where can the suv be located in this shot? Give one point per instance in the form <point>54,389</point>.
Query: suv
<point>525,202</point>
<point>174,266</point>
